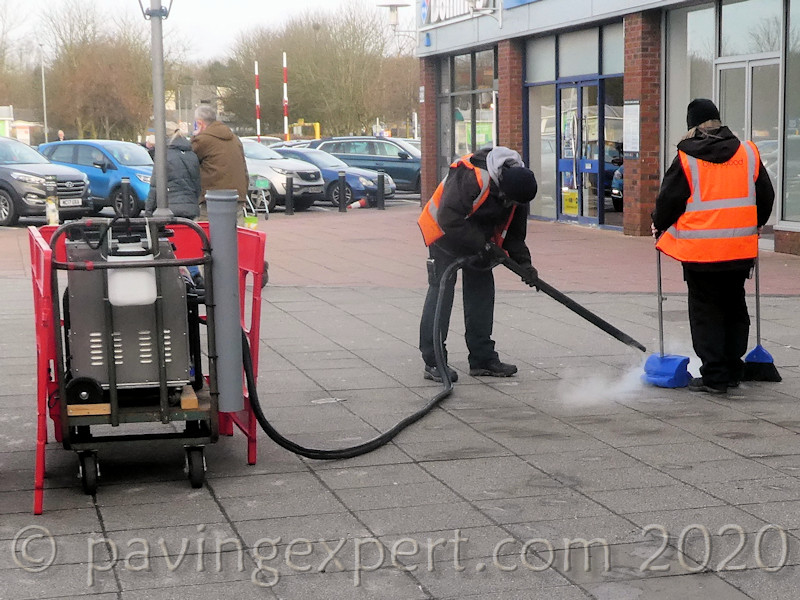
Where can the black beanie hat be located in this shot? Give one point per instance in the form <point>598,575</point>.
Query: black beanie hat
<point>699,111</point>
<point>518,184</point>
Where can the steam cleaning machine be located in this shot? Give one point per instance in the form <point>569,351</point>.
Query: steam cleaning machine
<point>129,349</point>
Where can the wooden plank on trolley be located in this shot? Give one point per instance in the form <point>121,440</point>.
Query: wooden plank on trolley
<point>188,398</point>
<point>88,410</point>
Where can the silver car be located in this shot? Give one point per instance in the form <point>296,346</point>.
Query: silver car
<point>307,183</point>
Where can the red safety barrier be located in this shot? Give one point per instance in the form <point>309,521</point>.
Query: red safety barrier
<point>188,244</point>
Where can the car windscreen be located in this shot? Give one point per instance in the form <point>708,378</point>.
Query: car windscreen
<point>412,151</point>
<point>128,154</point>
<point>321,159</point>
<point>259,151</point>
<point>14,152</point>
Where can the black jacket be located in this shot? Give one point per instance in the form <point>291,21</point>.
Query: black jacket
<point>183,181</point>
<point>465,235</point>
<point>718,146</point>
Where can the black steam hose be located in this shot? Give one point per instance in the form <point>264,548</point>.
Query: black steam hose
<point>382,439</point>
<point>441,365</point>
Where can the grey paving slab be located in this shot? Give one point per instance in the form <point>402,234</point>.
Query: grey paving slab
<point>496,477</point>
<point>412,519</point>
<point>668,588</point>
<point>56,581</point>
<point>574,447</point>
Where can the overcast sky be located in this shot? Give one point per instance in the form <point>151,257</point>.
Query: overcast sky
<point>210,26</point>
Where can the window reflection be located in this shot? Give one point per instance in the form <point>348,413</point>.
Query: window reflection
<point>751,26</point>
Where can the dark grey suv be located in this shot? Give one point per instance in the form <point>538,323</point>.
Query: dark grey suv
<point>22,189</point>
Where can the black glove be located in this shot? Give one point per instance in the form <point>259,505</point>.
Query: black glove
<point>531,277</point>
<point>491,255</point>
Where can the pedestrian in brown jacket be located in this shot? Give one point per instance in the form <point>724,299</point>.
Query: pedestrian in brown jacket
<point>222,163</point>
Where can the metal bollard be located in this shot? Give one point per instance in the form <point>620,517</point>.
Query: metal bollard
<point>289,195</point>
<point>225,276</point>
<point>125,190</point>
<point>51,199</point>
<point>380,196</point>
<point>342,192</point>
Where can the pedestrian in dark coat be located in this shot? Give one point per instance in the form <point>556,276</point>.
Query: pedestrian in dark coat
<point>183,180</point>
<point>714,199</point>
<point>484,199</point>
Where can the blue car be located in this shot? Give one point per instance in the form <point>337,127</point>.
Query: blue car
<point>397,157</point>
<point>617,188</point>
<point>106,162</point>
<point>360,183</point>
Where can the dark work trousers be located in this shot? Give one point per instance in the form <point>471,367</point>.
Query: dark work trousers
<point>478,294</point>
<point>719,322</point>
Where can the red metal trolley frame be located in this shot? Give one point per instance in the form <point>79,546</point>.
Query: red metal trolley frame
<point>251,244</point>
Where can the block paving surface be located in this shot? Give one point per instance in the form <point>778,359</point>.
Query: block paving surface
<point>493,495</point>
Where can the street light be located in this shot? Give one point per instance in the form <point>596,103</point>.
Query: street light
<point>394,20</point>
<point>488,8</point>
<point>44,92</point>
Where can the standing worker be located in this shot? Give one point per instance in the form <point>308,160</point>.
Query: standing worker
<point>482,201</point>
<point>714,199</point>
<point>183,187</point>
<point>183,180</point>
<point>222,163</point>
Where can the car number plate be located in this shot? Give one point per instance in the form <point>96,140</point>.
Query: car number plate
<point>314,189</point>
<point>70,202</point>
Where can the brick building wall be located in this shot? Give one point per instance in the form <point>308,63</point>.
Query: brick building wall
<point>428,125</point>
<point>643,84</point>
<point>510,55</point>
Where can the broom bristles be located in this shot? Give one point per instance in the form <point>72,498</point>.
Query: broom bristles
<point>760,371</point>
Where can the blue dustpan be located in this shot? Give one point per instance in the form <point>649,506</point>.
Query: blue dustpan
<point>758,355</point>
<point>665,370</point>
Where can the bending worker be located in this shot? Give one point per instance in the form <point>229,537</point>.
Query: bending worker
<point>482,201</point>
<point>714,199</point>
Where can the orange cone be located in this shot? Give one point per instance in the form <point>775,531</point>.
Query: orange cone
<point>363,203</point>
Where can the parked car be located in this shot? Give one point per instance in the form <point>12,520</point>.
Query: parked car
<point>394,156</point>
<point>106,162</point>
<point>292,144</point>
<point>307,183</point>
<point>267,140</point>
<point>22,184</point>
<point>359,183</point>
<point>416,142</point>
<point>617,188</point>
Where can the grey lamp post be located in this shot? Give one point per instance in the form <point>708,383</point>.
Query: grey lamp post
<point>156,13</point>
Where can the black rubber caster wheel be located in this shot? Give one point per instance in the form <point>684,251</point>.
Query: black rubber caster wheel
<point>196,467</point>
<point>89,472</point>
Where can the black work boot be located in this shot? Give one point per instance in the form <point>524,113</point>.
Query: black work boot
<point>432,373</point>
<point>494,368</point>
<point>697,385</point>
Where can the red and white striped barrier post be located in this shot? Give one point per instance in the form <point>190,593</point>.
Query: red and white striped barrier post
<point>285,99</point>
<point>258,107</point>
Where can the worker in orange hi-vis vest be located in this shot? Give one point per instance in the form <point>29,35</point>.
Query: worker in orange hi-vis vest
<point>482,201</point>
<point>714,199</point>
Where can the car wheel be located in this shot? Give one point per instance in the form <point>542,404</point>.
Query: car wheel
<point>418,185</point>
<point>333,194</point>
<point>8,212</point>
<point>272,200</point>
<point>116,201</point>
<point>617,202</point>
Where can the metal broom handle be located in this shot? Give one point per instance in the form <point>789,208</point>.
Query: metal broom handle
<point>758,305</point>
<point>660,305</point>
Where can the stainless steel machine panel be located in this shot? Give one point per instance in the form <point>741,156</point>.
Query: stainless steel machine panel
<point>135,333</point>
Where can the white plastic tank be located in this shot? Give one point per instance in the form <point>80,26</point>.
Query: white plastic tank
<point>131,286</point>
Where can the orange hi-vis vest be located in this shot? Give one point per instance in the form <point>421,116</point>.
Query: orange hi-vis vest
<point>721,219</point>
<point>429,219</point>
